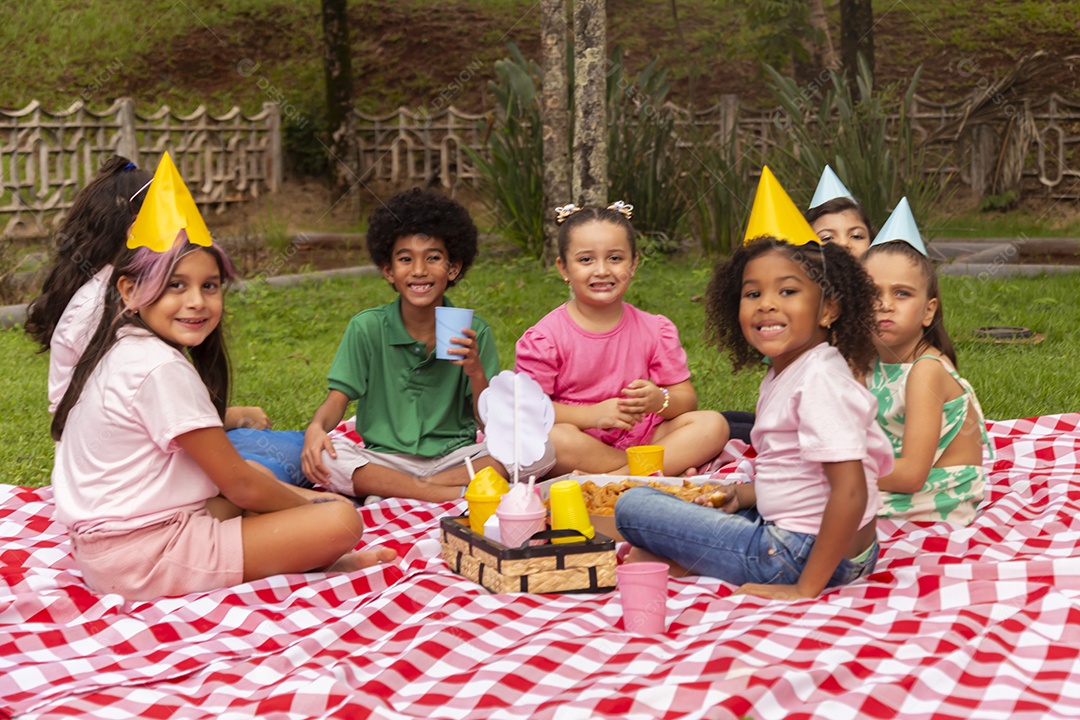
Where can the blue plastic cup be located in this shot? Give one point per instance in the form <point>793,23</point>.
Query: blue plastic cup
<point>450,322</point>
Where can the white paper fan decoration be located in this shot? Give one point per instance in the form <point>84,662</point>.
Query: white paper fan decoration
<point>517,417</point>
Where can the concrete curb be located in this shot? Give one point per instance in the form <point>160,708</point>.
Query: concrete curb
<point>986,271</point>
<point>11,315</point>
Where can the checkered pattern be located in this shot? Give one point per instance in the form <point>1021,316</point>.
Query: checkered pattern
<point>955,623</point>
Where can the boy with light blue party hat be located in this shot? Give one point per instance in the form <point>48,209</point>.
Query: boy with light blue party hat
<point>929,413</point>
<point>836,216</point>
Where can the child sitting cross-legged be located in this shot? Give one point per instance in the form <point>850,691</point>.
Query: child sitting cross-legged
<point>617,375</point>
<point>807,519</point>
<point>416,413</point>
<point>146,481</point>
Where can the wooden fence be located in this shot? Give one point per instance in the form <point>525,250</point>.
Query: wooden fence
<point>46,157</point>
<point>406,147</point>
<point>988,142</point>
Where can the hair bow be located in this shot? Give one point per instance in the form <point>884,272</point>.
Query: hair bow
<point>624,209</point>
<point>564,211</point>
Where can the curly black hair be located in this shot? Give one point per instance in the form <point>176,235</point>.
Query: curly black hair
<point>838,273</point>
<point>419,212</point>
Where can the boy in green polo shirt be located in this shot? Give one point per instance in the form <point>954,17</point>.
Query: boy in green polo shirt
<point>416,414</point>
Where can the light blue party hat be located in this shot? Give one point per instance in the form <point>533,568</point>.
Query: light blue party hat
<point>829,188</point>
<point>901,226</point>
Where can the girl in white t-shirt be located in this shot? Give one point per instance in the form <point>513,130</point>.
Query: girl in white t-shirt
<point>152,492</point>
<point>63,317</point>
<point>806,521</point>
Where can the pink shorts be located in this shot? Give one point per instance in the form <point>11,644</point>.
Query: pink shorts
<point>189,552</point>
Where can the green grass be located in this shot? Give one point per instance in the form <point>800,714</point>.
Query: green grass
<point>283,339</point>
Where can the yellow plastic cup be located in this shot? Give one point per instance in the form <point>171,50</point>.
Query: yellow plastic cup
<point>568,511</point>
<point>483,495</point>
<point>646,460</point>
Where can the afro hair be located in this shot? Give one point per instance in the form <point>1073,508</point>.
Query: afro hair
<point>419,212</point>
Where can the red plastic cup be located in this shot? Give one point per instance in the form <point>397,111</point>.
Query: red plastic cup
<point>643,590</point>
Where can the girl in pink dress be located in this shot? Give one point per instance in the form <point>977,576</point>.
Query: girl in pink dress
<point>617,375</point>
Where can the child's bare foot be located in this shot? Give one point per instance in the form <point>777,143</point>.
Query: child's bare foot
<point>351,562</point>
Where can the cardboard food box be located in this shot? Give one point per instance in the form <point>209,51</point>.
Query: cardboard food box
<point>586,566</point>
<point>605,524</point>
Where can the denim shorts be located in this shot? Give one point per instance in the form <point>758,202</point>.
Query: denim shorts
<point>738,548</point>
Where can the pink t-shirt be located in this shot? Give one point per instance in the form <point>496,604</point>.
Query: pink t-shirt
<point>578,367</point>
<point>73,332</point>
<point>815,411</point>
<point>117,465</point>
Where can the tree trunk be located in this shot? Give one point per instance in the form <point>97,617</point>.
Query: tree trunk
<point>554,112</point>
<point>856,36</point>
<point>337,62</point>
<point>590,182</point>
<point>822,53</point>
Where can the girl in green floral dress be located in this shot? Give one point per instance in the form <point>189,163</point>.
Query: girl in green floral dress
<point>928,412</point>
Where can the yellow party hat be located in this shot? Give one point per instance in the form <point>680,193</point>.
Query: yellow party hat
<point>167,209</point>
<point>774,214</point>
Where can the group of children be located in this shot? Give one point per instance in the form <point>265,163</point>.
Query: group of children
<point>158,499</point>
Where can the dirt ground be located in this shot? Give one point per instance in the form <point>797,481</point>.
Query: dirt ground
<point>395,45</point>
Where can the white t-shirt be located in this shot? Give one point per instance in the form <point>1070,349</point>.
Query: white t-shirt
<point>815,411</point>
<point>73,332</point>
<point>117,465</point>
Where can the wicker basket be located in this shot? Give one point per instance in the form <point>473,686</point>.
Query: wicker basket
<point>587,566</point>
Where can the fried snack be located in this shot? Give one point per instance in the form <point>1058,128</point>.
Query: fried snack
<point>718,498</point>
<point>601,499</point>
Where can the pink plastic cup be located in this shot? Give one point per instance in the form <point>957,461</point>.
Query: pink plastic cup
<point>643,589</point>
<point>516,528</point>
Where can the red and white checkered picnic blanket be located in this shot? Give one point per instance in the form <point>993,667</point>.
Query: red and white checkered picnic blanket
<point>955,623</point>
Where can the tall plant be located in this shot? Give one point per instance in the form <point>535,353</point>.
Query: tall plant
<point>867,137</point>
<point>511,175</point>
<point>719,178</point>
<point>644,160</point>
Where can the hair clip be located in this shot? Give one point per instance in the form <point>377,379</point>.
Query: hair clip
<point>132,198</point>
<point>624,209</point>
<point>129,166</point>
<point>564,211</point>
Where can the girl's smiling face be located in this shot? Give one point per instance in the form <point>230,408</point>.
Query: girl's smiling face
<point>190,307</point>
<point>905,308</point>
<point>846,229</point>
<point>598,263</point>
<point>781,312</point>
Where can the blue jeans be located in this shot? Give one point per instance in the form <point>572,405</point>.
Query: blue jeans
<point>276,450</point>
<point>738,548</point>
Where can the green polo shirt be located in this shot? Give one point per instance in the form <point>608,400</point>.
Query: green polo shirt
<point>407,401</point>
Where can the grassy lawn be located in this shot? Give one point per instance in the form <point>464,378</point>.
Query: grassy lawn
<point>283,339</point>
